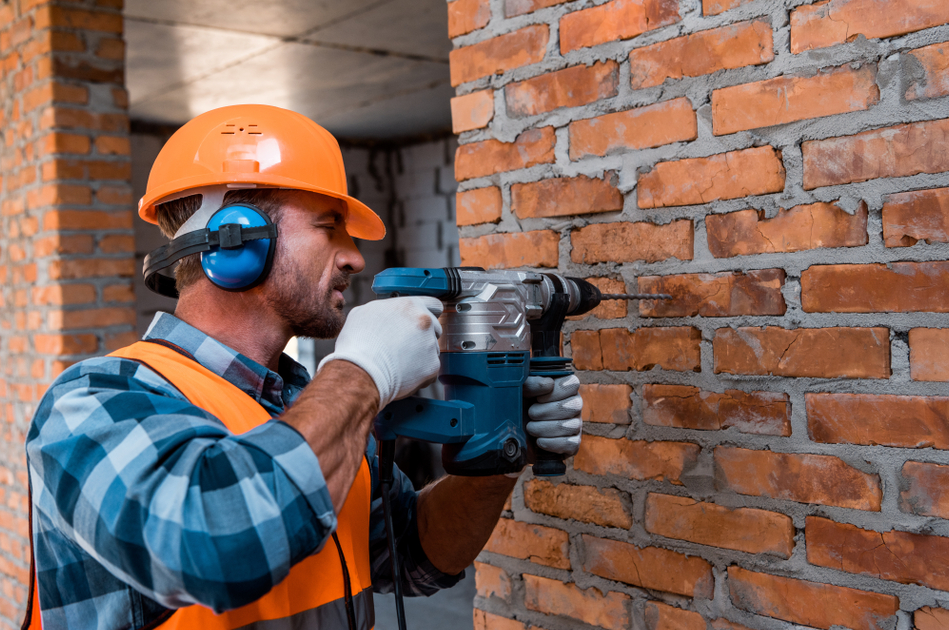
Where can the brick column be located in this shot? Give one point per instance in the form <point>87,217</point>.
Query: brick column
<point>772,446</point>
<point>66,243</point>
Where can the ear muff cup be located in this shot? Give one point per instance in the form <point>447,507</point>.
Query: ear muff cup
<point>243,267</point>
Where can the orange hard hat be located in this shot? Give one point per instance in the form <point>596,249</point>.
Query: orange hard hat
<point>245,146</point>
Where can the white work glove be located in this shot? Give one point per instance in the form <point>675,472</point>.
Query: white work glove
<point>555,417</point>
<point>395,341</point>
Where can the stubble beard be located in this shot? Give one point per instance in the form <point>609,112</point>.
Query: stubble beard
<point>308,310</point>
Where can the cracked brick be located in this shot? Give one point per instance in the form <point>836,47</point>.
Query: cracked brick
<point>810,604</point>
<point>536,543</point>
<point>648,567</point>
<point>886,419</point>
<point>742,529</point>
<point>812,226</point>
<point>635,459</point>
<point>891,555</point>
<point>725,294</point>
<point>919,215</point>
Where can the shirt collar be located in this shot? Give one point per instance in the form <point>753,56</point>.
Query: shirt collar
<point>274,390</point>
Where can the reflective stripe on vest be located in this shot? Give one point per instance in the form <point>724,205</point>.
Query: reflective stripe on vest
<point>313,594</point>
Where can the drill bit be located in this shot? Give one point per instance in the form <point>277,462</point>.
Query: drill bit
<point>635,296</point>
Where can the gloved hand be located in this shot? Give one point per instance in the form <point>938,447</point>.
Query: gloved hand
<point>555,417</point>
<point>395,341</point>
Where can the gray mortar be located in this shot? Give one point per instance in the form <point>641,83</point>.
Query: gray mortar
<point>896,71</point>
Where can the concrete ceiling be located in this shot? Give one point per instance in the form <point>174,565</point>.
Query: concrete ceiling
<point>366,69</point>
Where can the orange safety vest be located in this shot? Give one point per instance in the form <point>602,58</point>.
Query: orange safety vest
<point>314,593</point>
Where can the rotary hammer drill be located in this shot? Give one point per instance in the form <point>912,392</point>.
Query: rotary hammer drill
<point>499,327</point>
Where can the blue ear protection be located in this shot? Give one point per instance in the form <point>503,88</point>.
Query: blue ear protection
<point>239,268</point>
<point>237,248</point>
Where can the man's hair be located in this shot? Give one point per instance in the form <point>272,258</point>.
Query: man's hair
<point>171,216</point>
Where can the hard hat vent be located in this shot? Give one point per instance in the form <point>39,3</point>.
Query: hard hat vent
<point>231,129</point>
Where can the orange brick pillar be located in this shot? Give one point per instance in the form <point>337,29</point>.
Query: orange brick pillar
<point>66,244</point>
<point>771,447</point>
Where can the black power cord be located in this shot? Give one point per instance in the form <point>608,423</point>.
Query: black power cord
<point>386,462</point>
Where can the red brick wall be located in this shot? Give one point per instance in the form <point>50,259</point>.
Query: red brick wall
<point>772,446</point>
<point>66,243</point>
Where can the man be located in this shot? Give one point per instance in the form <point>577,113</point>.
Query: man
<point>197,478</point>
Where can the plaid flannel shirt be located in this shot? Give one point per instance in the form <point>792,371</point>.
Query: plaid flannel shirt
<point>143,502</point>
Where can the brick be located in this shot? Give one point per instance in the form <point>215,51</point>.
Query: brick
<point>492,581</point>
<point>838,21</point>
<point>112,145</point>
<point>54,220</point>
<point>60,294</point>
<point>465,16</point>
<point>925,489</point>
<point>784,100</point>
<point>472,111</point>
<point>714,7</point>
<point>811,226</point>
<point>498,54</point>
<point>920,215</point>
<point>565,196</point>
<point>117,244</point>
<point>80,19</point>
<point>481,205</point>
<point>742,529</point>
<point>929,618</point>
<point>804,478</point>
<point>59,194</point>
<point>91,268</point>
<point>615,20</point>
<point>803,352</point>
<point>659,616</point>
<point>53,92</point>
<point>479,159</point>
<point>66,143</point>
<point>112,49</point>
<point>91,318</point>
<point>933,61</point>
<point>638,128</point>
<point>725,294</point>
<point>65,344</point>
<point>606,403</point>
<point>673,348</point>
<point>570,87</point>
<point>62,244</point>
<point>489,621</point>
<point>518,249</point>
<point>582,503</point>
<point>686,407</point>
<point>808,603</point>
<point>629,242</point>
<point>725,48</point>
<point>552,597</point>
<point>635,459</point>
<point>648,567</point>
<point>906,421</point>
<point>890,555</point>
<point>115,341</point>
<point>901,287</point>
<point>114,195</point>
<point>607,309</point>
<point>929,354</point>
<point>100,170</point>
<point>729,175</point>
<point>536,543</point>
<point>891,152</point>
<point>520,7</point>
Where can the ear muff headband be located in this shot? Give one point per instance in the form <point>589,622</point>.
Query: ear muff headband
<point>236,248</point>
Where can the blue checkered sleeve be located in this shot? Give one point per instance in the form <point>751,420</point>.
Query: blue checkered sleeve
<point>127,474</point>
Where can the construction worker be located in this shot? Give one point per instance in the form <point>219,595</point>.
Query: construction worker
<point>197,478</point>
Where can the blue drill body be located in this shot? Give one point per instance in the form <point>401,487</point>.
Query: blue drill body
<point>491,323</point>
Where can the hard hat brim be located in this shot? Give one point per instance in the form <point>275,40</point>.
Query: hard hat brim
<point>361,221</point>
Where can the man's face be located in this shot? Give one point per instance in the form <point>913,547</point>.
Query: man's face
<point>315,257</point>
